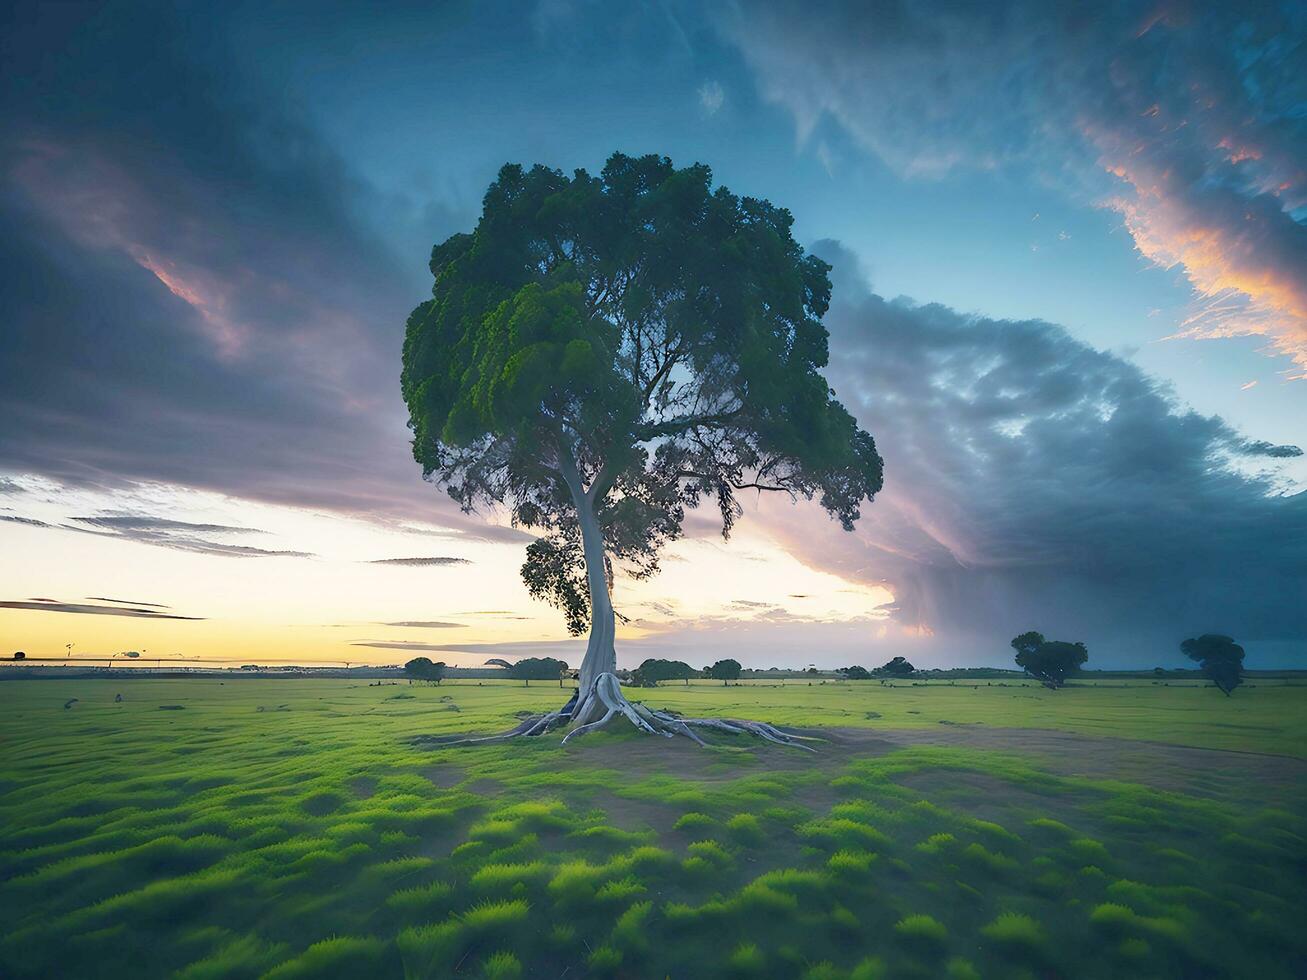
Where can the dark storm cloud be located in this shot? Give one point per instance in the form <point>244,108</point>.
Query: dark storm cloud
<point>1185,119</point>
<point>1263,448</point>
<point>188,295</point>
<point>1034,482</point>
<point>53,605</point>
<point>420,562</point>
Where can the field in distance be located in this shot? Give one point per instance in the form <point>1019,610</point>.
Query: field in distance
<point>242,827</point>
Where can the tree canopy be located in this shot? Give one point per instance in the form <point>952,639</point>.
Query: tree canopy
<point>898,667</point>
<point>855,673</point>
<point>1221,659</point>
<point>649,673</point>
<point>1048,661</point>
<point>1027,642</point>
<point>628,343</point>
<point>537,669</point>
<point>423,669</point>
<point>724,670</point>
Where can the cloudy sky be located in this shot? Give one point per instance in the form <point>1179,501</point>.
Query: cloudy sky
<point>1070,251</point>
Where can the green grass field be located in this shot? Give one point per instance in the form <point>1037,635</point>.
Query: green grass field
<point>291,828</point>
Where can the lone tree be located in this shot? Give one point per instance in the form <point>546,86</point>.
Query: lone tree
<point>855,673</point>
<point>898,667</point>
<point>537,669</point>
<point>422,669</point>
<point>604,352</point>
<point>724,670</point>
<point>1048,661</point>
<point>1221,659</point>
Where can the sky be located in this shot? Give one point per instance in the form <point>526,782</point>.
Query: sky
<point>1069,249</point>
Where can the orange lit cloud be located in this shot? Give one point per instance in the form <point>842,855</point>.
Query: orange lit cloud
<point>1243,255</point>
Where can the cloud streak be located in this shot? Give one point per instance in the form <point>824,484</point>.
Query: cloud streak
<point>436,562</point>
<point>178,535</point>
<point>87,609</point>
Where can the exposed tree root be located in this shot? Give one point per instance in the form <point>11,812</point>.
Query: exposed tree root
<point>604,703</point>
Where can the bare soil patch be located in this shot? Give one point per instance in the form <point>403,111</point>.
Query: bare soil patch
<point>444,776</point>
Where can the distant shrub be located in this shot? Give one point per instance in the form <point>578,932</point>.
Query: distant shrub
<point>1015,932</point>
<point>711,851</point>
<point>747,961</point>
<point>604,960</point>
<point>694,821</point>
<point>502,966</point>
<point>422,900</point>
<point>493,876</point>
<point>629,932</point>
<point>922,930</point>
<point>495,918</point>
<point>744,827</point>
<point>850,863</point>
<point>243,956</point>
<point>620,890</point>
<point>341,956</point>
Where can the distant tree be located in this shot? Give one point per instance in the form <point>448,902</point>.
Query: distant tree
<point>1048,661</point>
<point>812,671</point>
<point>724,670</point>
<point>649,673</point>
<point>604,352</point>
<point>20,655</point>
<point>898,667</point>
<point>1221,659</point>
<point>537,669</point>
<point>1159,672</point>
<point>855,673</point>
<point>423,669</point>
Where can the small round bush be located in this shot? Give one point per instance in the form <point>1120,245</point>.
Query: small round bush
<point>922,930</point>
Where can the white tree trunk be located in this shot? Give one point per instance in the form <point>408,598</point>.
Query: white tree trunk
<point>600,651</point>
<point>599,698</point>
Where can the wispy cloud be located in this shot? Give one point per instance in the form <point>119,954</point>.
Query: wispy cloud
<point>427,624</point>
<point>55,606</point>
<point>178,535</point>
<point>711,97</point>
<point>127,602</point>
<point>1187,123</point>
<point>420,562</point>
<point>29,521</point>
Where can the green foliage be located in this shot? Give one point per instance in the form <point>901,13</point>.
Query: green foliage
<point>423,669</point>
<point>126,829</point>
<point>922,930</point>
<point>649,673</point>
<point>724,670</point>
<point>1048,661</point>
<point>630,342</point>
<point>897,667</point>
<point>1016,932</point>
<point>1221,659</point>
<point>530,669</point>
<point>855,673</point>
